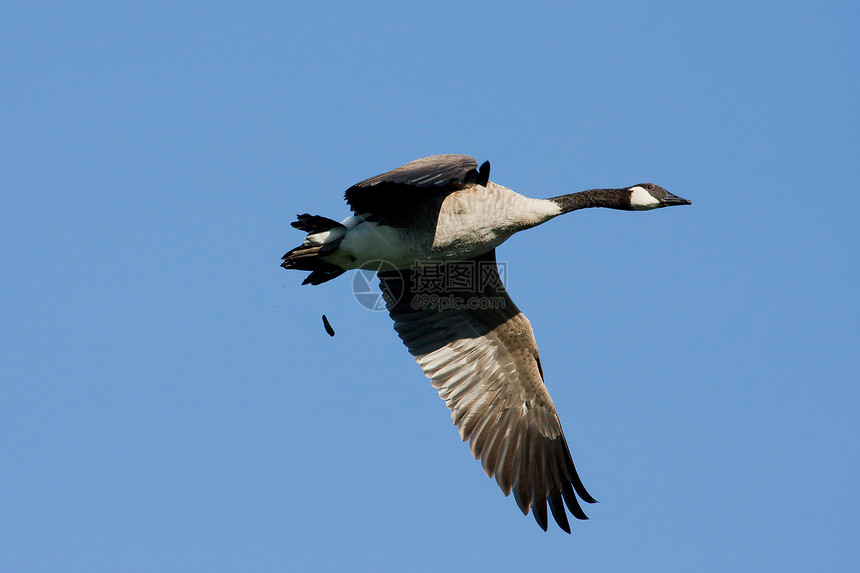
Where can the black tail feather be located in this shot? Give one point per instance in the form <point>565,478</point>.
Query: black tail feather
<point>319,277</point>
<point>314,223</point>
<point>306,257</point>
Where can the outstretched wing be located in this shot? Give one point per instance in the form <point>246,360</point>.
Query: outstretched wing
<point>402,195</point>
<point>478,350</point>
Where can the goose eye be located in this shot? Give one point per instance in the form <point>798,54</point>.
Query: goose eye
<point>650,187</point>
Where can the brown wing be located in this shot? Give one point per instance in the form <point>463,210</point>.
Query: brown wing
<point>402,195</point>
<point>478,350</point>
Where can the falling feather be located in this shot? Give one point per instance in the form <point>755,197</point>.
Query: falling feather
<point>327,326</point>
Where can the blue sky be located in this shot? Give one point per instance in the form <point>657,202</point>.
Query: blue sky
<point>169,398</point>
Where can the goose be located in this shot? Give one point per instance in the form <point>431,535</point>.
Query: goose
<point>435,224</point>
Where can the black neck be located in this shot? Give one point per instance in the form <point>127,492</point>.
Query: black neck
<point>611,198</point>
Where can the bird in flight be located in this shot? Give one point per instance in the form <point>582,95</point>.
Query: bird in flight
<point>430,228</point>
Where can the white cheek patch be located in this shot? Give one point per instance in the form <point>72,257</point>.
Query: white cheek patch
<point>641,199</point>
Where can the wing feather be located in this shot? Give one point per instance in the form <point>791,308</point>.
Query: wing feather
<point>482,358</point>
<point>413,193</point>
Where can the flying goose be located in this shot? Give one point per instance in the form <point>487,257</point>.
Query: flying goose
<point>435,223</point>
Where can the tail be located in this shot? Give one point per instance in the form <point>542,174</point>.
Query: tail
<point>324,236</point>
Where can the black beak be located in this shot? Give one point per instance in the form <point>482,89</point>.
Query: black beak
<point>670,200</point>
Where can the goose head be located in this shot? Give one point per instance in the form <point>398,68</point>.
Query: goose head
<point>649,196</point>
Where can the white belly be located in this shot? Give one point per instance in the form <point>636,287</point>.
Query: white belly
<point>369,242</point>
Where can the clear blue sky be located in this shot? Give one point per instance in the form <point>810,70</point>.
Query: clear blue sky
<point>170,401</point>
